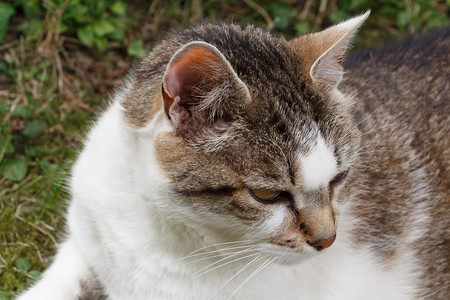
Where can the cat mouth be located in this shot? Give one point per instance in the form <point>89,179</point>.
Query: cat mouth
<point>289,253</point>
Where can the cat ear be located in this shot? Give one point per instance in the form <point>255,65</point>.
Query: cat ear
<point>323,51</point>
<point>197,85</point>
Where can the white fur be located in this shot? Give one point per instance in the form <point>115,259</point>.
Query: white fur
<point>275,222</point>
<point>318,166</point>
<point>61,280</point>
<point>125,226</point>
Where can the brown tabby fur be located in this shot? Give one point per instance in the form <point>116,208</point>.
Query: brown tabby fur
<point>405,117</point>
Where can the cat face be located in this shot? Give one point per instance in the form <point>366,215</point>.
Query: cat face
<point>262,144</point>
<point>282,192</point>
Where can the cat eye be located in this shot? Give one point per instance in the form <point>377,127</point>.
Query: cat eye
<point>335,181</point>
<point>265,195</point>
<point>338,178</point>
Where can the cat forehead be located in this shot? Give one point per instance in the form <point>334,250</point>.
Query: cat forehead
<point>308,153</point>
<point>310,158</point>
<point>303,157</point>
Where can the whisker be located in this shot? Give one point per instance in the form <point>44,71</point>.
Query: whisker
<point>241,270</point>
<point>221,254</point>
<point>215,245</point>
<point>198,274</point>
<point>263,265</point>
<point>218,250</point>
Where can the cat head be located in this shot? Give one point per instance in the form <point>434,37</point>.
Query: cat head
<point>260,143</point>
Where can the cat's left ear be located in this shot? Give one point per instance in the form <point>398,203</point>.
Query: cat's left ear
<point>322,52</point>
<point>199,86</point>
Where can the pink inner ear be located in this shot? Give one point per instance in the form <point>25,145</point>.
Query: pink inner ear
<point>194,67</point>
<point>194,71</point>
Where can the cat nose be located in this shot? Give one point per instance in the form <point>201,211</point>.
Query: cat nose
<point>324,243</point>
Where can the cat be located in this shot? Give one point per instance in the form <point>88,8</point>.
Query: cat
<point>237,164</point>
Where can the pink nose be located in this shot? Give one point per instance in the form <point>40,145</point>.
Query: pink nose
<point>325,243</point>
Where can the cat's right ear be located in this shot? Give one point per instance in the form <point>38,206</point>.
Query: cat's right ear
<point>198,86</point>
<point>322,52</point>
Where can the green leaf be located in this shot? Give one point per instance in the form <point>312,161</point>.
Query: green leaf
<point>34,128</point>
<point>136,49</point>
<point>119,8</point>
<point>434,21</point>
<point>32,9</point>
<point>44,64</point>
<point>23,264</point>
<point>404,18</point>
<point>3,108</point>
<point>6,11</point>
<point>338,16</point>
<point>32,28</point>
<point>302,28</point>
<point>101,43</point>
<point>81,14</point>
<point>36,151</point>
<point>9,149</point>
<point>29,74</point>
<point>30,99</point>
<point>34,274</point>
<point>282,15</point>
<point>103,27</point>
<point>63,28</point>
<point>14,169</point>
<point>47,167</point>
<point>86,35</point>
<point>5,147</point>
<point>119,33</point>
<point>3,65</point>
<point>5,295</point>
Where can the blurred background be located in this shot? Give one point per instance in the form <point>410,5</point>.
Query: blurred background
<point>60,61</point>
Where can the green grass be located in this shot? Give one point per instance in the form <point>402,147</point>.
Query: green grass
<point>42,129</point>
<point>53,83</point>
